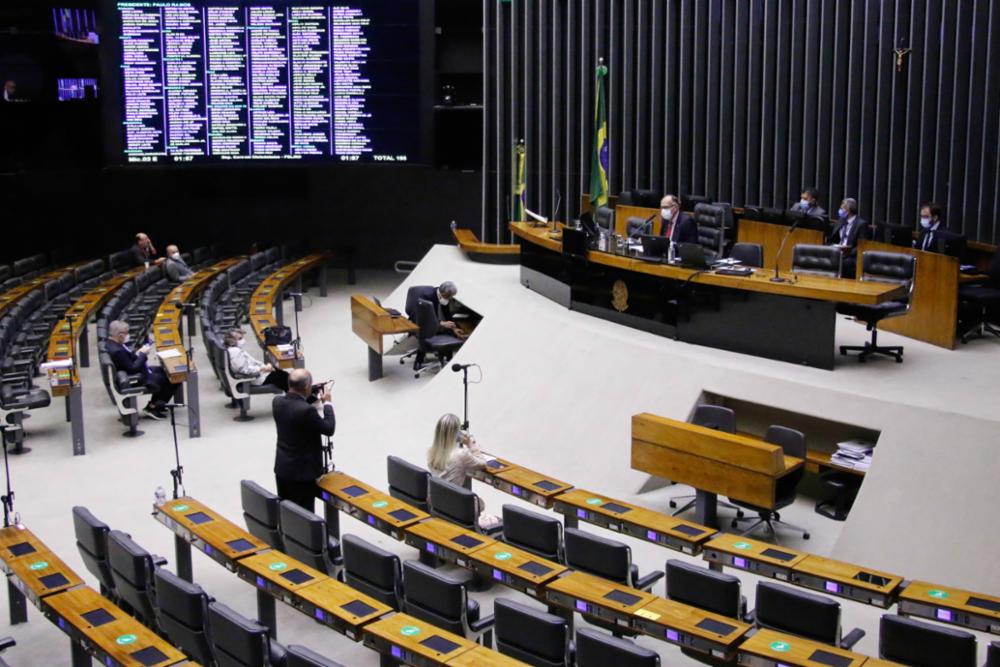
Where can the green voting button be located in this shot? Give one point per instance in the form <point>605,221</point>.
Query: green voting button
<point>38,565</point>
<point>741,545</point>
<point>503,555</point>
<point>935,593</point>
<point>781,647</point>
<point>593,501</point>
<point>277,567</point>
<point>125,640</point>
<point>409,630</point>
<point>379,504</point>
<point>180,508</point>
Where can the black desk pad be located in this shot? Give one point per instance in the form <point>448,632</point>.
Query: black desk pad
<point>149,656</point>
<point>466,541</point>
<point>778,555</point>
<point>54,580</point>
<point>715,626</point>
<point>354,491</point>
<point>21,548</point>
<point>688,530</point>
<point>616,508</point>
<point>402,515</point>
<point>358,608</point>
<point>296,576</point>
<point>97,617</point>
<point>439,644</point>
<point>983,604</point>
<point>240,544</point>
<point>832,659</point>
<point>622,597</point>
<point>534,568</point>
<point>547,485</point>
<point>198,517</point>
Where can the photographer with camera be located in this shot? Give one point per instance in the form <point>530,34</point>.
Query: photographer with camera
<point>298,461</point>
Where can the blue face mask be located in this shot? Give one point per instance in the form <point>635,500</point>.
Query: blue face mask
<point>842,213</point>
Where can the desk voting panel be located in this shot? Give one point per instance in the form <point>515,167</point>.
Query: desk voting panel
<point>368,505</point>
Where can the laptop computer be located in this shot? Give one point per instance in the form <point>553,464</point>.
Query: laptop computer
<point>655,247</point>
<point>692,256</point>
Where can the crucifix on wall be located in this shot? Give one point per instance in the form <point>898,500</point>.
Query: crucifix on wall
<point>901,52</point>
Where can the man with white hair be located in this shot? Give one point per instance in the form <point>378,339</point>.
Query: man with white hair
<point>133,362</point>
<point>848,230</point>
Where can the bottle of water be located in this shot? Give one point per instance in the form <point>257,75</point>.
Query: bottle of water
<point>671,253</point>
<point>160,497</point>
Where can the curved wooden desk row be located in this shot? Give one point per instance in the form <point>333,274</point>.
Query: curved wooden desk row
<point>97,628</point>
<point>15,294</point>
<point>488,253</point>
<point>276,575</point>
<point>792,321</point>
<point>265,304</point>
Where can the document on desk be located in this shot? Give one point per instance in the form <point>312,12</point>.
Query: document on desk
<point>169,354</point>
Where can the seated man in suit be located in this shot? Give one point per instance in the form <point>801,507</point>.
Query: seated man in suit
<point>143,252</point>
<point>441,297</point>
<point>677,226</point>
<point>930,224</point>
<point>175,267</point>
<point>809,203</point>
<point>134,363</point>
<point>846,232</point>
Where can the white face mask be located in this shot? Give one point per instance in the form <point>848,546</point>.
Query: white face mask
<point>241,343</point>
<point>176,256</point>
<point>804,203</point>
<point>127,339</point>
<point>443,301</point>
<point>666,213</point>
<point>925,223</point>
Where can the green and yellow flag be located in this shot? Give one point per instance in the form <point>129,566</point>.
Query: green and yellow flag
<point>599,156</point>
<point>520,189</point>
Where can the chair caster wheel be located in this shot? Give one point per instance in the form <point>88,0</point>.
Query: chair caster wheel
<point>416,376</point>
<point>672,504</point>
<point>734,524</point>
<point>805,536</point>
<point>899,360</point>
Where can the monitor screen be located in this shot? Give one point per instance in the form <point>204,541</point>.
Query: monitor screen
<point>224,81</point>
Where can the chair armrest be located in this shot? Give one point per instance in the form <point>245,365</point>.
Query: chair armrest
<point>646,582</point>
<point>750,617</point>
<point>744,614</point>
<point>851,638</point>
<point>158,561</point>
<point>6,643</point>
<point>484,623</point>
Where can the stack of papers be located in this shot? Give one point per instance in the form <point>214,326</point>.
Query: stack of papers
<point>855,454</point>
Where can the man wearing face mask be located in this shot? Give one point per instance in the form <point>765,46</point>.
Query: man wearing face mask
<point>676,226</point>
<point>847,231</point>
<point>441,296</point>
<point>809,203</point>
<point>175,267</point>
<point>244,367</point>
<point>132,362</point>
<point>930,223</point>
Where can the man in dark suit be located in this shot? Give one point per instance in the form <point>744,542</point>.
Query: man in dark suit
<point>846,232</point>
<point>809,203</point>
<point>441,296</point>
<point>298,461</point>
<point>134,363</point>
<point>676,225</point>
<point>143,252</point>
<point>930,224</point>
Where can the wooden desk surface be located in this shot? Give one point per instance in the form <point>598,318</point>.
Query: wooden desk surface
<point>839,571</point>
<point>641,516</point>
<point>17,544</point>
<point>951,597</point>
<point>802,286</point>
<point>409,633</point>
<point>591,589</point>
<point>217,531</point>
<point>469,242</point>
<point>816,459</point>
<point>121,638</point>
<point>166,328</point>
<point>438,531</point>
<point>270,289</point>
<point>790,650</point>
<point>512,560</point>
<point>333,596</point>
<point>370,322</point>
<point>362,497</point>
<point>43,574</point>
<point>679,616</point>
<point>61,346</point>
<point>528,481</point>
<point>747,548</point>
<point>9,297</point>
<point>480,656</point>
<point>276,567</point>
<point>494,465</point>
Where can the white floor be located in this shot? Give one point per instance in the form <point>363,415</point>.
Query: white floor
<point>557,394</point>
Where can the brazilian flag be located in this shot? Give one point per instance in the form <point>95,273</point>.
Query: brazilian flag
<point>520,189</point>
<point>599,157</point>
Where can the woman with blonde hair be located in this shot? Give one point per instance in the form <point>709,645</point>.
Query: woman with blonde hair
<point>454,453</point>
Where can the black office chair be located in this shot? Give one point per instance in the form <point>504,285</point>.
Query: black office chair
<point>718,418</point>
<point>748,254</point>
<point>306,539</point>
<point>132,570</point>
<point>793,443</point>
<point>456,504</point>
<point>239,642</point>
<point>911,642</point>
<point>372,571</point>
<point>92,543</point>
<point>407,482</point>
<point>817,260</point>
<point>894,234</point>
<point>182,612</point>
<point>980,303</point>
<point>993,654</point>
<point>604,216</point>
<point>532,636</point>
<point>533,532</point>
<point>700,587</point>
<point>261,513</point>
<point>606,558</point>
<point>712,229</point>
<point>300,656</point>
<point>429,340</point>
<point>595,649</point>
<point>883,267</point>
<point>804,614</point>
<point>689,202</point>
<point>844,487</point>
<point>444,601</point>
<point>637,197</point>
<point>6,643</point>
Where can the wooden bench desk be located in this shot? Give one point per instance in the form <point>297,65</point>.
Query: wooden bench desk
<point>951,605</point>
<point>535,487</point>
<point>446,541</point>
<point>480,656</point>
<point>644,524</point>
<point>10,297</point>
<point>339,606</point>
<point>514,568</point>
<point>690,627</point>
<point>193,523</point>
<point>711,461</point>
<point>494,465</point>
<point>18,543</point>
<point>768,648</point>
<point>372,323</point>
<point>409,640</point>
<point>368,505</point>
<point>266,305</point>
<point>42,574</point>
<point>847,580</point>
<point>593,596</point>
<point>101,630</point>
<point>743,553</point>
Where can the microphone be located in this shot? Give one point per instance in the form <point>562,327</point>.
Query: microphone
<point>555,214</point>
<point>647,225</point>
<point>460,367</point>
<point>777,258</point>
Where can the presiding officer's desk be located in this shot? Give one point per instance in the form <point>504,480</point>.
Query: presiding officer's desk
<point>951,605</point>
<point>368,505</point>
<point>768,648</point>
<point>789,321</point>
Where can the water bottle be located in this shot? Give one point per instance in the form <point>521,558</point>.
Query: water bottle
<point>160,497</point>
<point>670,253</point>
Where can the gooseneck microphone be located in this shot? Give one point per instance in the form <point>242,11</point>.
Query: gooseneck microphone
<point>457,368</point>
<point>777,258</point>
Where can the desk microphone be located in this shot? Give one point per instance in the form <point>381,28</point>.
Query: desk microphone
<point>460,367</point>
<point>646,227</point>
<point>777,258</point>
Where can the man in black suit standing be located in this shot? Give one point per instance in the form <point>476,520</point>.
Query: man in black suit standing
<point>676,225</point>
<point>846,232</point>
<point>298,461</point>
<point>132,362</point>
